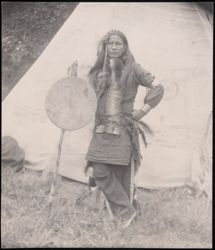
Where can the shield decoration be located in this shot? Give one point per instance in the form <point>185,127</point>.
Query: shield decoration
<point>71,103</point>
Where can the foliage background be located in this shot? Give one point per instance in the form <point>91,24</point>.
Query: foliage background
<point>27,28</point>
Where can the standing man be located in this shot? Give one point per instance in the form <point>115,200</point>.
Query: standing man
<point>115,78</point>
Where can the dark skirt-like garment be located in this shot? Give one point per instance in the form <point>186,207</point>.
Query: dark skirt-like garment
<point>110,149</point>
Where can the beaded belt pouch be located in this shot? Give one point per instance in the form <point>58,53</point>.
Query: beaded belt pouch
<point>109,128</point>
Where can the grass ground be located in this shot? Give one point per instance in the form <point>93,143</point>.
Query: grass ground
<point>171,218</point>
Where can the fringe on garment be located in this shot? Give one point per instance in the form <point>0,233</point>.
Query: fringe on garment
<point>135,129</point>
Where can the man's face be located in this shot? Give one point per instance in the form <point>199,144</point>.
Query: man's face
<point>115,46</point>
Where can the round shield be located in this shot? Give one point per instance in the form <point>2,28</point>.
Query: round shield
<point>71,103</point>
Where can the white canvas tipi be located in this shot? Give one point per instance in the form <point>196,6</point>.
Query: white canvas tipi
<point>171,40</point>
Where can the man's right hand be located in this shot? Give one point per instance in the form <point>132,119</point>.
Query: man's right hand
<point>102,76</point>
<point>102,79</point>
<point>101,82</point>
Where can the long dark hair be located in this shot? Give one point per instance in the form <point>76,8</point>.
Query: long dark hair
<point>127,58</point>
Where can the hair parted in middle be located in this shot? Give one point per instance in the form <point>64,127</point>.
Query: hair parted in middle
<point>126,57</point>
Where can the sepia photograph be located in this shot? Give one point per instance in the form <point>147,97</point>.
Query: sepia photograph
<point>107,112</point>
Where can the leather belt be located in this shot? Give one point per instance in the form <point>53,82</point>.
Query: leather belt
<point>110,125</point>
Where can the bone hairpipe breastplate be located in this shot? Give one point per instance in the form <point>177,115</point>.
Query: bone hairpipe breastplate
<point>113,97</point>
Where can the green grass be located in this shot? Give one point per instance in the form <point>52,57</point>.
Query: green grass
<point>171,218</point>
